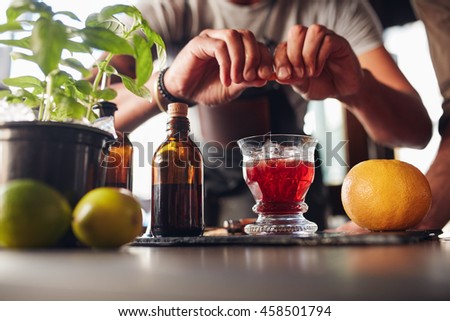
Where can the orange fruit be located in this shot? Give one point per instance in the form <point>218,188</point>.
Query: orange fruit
<point>107,217</point>
<point>385,195</point>
<point>32,214</point>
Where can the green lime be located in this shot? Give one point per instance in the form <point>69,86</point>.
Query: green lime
<point>32,214</point>
<point>107,217</point>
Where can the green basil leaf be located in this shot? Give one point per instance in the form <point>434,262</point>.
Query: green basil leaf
<point>110,11</point>
<point>31,99</point>
<point>68,14</point>
<point>77,65</point>
<point>92,20</point>
<point>74,46</point>
<point>67,108</point>
<point>110,70</point>
<point>10,26</point>
<point>153,37</point>
<point>4,93</point>
<point>106,94</point>
<point>104,39</point>
<point>25,97</point>
<point>84,86</point>
<point>48,39</point>
<point>13,13</point>
<point>92,117</point>
<point>23,82</point>
<point>61,78</point>
<point>138,91</point>
<point>18,7</point>
<point>24,43</point>
<point>144,61</point>
<point>38,91</point>
<point>19,55</point>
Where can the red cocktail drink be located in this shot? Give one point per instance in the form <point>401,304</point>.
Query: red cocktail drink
<point>279,170</point>
<point>279,185</point>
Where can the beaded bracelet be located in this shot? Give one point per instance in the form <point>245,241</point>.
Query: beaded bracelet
<point>157,96</point>
<point>166,97</point>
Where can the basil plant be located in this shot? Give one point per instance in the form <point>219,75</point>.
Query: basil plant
<point>44,39</point>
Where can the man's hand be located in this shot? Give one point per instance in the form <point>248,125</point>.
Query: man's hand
<point>216,66</point>
<point>317,63</point>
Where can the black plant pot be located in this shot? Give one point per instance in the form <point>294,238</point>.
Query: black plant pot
<point>65,156</point>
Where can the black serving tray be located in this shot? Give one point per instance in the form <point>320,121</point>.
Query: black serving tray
<point>322,238</point>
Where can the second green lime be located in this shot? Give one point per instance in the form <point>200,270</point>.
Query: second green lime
<point>107,217</point>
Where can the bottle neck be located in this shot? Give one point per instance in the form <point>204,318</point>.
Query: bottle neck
<point>178,127</point>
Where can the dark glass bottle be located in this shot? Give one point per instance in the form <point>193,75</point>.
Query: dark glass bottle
<point>119,172</point>
<point>177,180</point>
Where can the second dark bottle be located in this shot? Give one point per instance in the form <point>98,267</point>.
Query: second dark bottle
<point>119,171</point>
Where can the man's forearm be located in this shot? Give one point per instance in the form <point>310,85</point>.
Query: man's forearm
<point>438,176</point>
<point>391,117</point>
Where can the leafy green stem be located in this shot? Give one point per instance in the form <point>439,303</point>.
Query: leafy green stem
<point>98,78</point>
<point>41,110</point>
<point>48,98</point>
<point>45,38</point>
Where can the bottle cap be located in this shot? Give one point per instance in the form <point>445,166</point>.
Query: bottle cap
<point>177,110</point>
<point>105,108</point>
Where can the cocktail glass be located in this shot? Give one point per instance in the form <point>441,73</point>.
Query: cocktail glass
<point>279,170</point>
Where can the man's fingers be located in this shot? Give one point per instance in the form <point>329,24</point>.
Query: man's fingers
<point>283,67</point>
<point>252,55</point>
<point>265,70</point>
<point>249,60</point>
<point>312,48</point>
<point>205,48</point>
<point>243,52</point>
<point>295,43</point>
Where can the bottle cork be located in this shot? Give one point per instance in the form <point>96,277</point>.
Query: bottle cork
<point>177,110</point>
